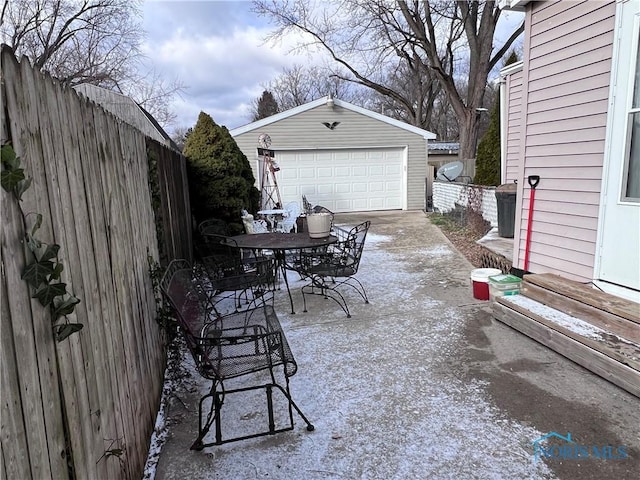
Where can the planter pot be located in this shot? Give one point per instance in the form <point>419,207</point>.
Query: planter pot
<point>319,225</point>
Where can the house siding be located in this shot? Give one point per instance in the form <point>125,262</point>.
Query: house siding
<point>514,125</point>
<point>306,131</point>
<point>565,100</point>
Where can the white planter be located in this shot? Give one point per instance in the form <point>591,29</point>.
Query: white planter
<point>319,224</point>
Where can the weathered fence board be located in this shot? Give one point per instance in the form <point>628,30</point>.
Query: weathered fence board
<point>31,324</point>
<point>66,407</point>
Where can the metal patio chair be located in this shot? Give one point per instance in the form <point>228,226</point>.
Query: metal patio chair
<point>335,267</point>
<point>231,346</point>
<point>237,273</point>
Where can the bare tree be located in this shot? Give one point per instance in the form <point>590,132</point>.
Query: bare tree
<point>88,41</point>
<point>437,36</point>
<point>300,84</point>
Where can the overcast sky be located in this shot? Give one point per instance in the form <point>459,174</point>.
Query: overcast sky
<point>217,50</point>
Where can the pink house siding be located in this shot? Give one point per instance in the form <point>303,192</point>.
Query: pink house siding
<point>566,73</point>
<point>513,125</point>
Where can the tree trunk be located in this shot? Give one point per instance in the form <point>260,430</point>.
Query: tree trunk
<point>468,136</point>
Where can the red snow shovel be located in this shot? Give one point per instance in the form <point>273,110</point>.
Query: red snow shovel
<point>533,183</point>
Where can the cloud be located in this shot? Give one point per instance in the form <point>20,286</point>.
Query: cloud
<point>217,49</point>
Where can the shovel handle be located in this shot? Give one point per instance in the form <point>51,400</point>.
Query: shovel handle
<point>533,180</point>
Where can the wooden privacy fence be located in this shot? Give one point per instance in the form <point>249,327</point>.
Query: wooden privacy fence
<point>85,407</point>
<point>173,216</point>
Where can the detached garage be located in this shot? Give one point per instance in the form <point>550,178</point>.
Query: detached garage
<point>344,157</point>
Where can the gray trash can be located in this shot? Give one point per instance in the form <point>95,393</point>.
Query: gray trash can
<point>506,200</point>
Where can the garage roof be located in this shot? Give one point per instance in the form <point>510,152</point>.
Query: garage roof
<point>339,103</point>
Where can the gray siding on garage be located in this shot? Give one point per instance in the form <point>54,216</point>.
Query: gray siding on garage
<point>306,131</point>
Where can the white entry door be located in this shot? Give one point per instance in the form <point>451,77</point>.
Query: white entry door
<point>344,180</point>
<point>619,260</point>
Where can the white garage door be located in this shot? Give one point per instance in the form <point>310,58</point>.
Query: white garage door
<point>344,180</point>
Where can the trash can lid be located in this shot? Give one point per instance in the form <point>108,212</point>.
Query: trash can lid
<point>507,187</point>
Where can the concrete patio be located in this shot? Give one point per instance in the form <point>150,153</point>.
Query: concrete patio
<point>421,383</point>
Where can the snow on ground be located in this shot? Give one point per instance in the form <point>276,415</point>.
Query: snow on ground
<point>378,389</point>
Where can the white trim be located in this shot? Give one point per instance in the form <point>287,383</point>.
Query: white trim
<point>337,103</point>
<point>352,147</point>
<point>405,177</point>
<point>504,122</point>
<point>620,43</point>
<point>618,291</point>
<point>511,68</point>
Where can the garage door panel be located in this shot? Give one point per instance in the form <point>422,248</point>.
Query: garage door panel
<point>359,171</point>
<point>344,180</point>
<point>325,189</point>
<point>359,188</point>
<point>342,172</point>
<point>324,172</point>
<point>393,170</point>
<point>376,170</point>
<point>376,187</point>
<point>393,187</point>
<point>289,191</point>
<point>304,173</point>
<point>360,204</point>
<point>377,204</point>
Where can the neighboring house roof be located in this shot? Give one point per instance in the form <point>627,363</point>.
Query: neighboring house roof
<point>339,103</point>
<point>443,147</point>
<point>127,110</point>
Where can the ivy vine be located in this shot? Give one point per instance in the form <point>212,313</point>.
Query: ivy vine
<point>43,272</point>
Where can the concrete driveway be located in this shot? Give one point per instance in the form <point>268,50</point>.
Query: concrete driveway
<point>421,383</point>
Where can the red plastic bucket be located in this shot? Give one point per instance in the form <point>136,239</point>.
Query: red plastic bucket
<point>480,282</point>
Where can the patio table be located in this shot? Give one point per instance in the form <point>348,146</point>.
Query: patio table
<point>279,243</point>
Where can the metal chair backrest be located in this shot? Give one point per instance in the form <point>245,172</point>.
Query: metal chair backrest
<point>213,225</point>
<point>351,245</point>
<point>180,287</point>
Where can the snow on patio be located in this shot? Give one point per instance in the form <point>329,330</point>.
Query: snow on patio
<point>376,386</point>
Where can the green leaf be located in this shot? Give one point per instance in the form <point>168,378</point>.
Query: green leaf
<point>46,293</point>
<point>9,158</point>
<point>22,187</point>
<point>33,243</point>
<point>11,178</point>
<point>37,273</point>
<point>37,225</point>
<point>51,252</point>
<point>65,307</point>
<point>57,270</point>
<point>63,331</point>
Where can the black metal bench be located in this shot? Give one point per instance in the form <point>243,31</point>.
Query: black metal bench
<point>230,346</point>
